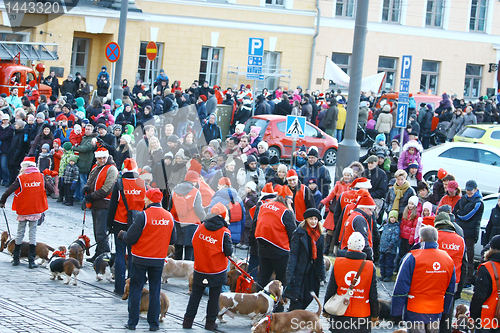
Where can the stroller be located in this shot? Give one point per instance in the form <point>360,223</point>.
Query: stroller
<point>438,136</point>
<point>365,137</point>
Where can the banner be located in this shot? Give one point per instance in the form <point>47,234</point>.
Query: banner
<point>338,76</point>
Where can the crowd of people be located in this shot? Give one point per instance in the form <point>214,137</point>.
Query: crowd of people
<point>109,155</point>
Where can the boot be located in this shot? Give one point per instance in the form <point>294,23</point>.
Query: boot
<point>328,242</point>
<point>31,257</point>
<point>188,322</point>
<point>60,198</point>
<point>16,254</point>
<point>210,325</point>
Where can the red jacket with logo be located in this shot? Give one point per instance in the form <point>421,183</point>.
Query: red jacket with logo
<point>135,192</point>
<point>30,197</point>
<point>208,247</point>
<point>454,245</point>
<point>271,227</point>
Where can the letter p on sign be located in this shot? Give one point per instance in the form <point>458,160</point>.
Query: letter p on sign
<point>406,67</point>
<point>256,46</point>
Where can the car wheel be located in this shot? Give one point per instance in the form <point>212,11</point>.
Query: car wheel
<point>330,157</point>
<point>274,151</point>
<point>434,140</point>
<point>431,178</point>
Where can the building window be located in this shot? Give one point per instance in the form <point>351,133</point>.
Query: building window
<point>271,66</point>
<point>345,8</point>
<point>210,65</point>
<point>434,13</point>
<point>473,75</point>
<point>391,10</point>
<point>275,2</point>
<point>478,15</point>
<point>388,65</point>
<point>343,60</point>
<point>148,73</point>
<point>429,77</point>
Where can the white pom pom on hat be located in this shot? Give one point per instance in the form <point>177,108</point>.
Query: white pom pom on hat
<point>356,242</point>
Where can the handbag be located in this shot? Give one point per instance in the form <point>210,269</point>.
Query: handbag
<point>497,311</point>
<point>337,304</point>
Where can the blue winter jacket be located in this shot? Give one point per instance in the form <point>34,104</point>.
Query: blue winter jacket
<point>389,241</point>
<point>402,290</point>
<point>223,197</point>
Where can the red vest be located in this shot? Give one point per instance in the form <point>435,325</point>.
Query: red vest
<point>349,230</point>
<point>208,247</point>
<point>345,270</point>
<point>183,207</point>
<point>270,225</point>
<point>454,245</point>
<point>348,197</point>
<point>135,191</point>
<point>346,213</point>
<point>155,237</point>
<point>101,179</point>
<point>431,277</point>
<point>489,307</point>
<point>30,197</point>
<point>206,193</point>
<point>299,203</point>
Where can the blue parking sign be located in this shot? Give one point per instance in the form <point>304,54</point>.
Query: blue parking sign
<point>402,115</point>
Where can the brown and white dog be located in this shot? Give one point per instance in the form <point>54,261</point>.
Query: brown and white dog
<point>293,321</point>
<point>77,248</point>
<point>182,269</point>
<point>104,267</point>
<point>464,323</point>
<point>254,305</point>
<point>164,302</point>
<point>59,265</point>
<point>42,249</point>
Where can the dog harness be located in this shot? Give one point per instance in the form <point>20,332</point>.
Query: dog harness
<point>269,318</point>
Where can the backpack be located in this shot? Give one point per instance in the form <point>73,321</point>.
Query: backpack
<point>158,108</point>
<point>179,206</point>
<point>235,211</point>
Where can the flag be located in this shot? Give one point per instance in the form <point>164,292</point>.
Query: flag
<point>338,76</point>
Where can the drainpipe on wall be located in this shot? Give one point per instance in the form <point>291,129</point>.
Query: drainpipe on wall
<point>314,44</point>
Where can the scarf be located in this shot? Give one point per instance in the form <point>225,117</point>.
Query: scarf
<point>399,191</point>
<point>314,234</point>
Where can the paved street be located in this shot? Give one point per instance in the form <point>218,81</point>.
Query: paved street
<point>31,302</point>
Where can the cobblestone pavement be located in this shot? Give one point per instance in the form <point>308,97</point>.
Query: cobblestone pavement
<point>31,302</point>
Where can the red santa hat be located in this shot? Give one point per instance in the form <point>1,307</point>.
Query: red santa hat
<point>292,174</point>
<point>101,152</point>
<point>191,176</point>
<point>366,202</point>
<point>225,181</point>
<point>284,191</point>
<point>129,165</point>
<point>219,209</point>
<point>361,183</point>
<point>154,194</point>
<point>195,166</point>
<point>268,189</point>
<point>28,161</point>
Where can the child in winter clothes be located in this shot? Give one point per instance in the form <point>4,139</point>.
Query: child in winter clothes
<point>238,131</point>
<point>76,135</point>
<point>68,152</point>
<point>45,159</point>
<point>412,175</point>
<point>411,153</point>
<point>250,201</point>
<point>71,176</point>
<point>254,136</point>
<point>313,186</point>
<point>206,160</point>
<point>389,246</point>
<point>57,152</point>
<point>408,225</point>
<point>427,218</point>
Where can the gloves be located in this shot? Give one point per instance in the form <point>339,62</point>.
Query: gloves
<point>46,172</point>
<point>88,198</point>
<point>320,206</point>
<point>120,234</point>
<point>85,190</point>
<point>73,185</point>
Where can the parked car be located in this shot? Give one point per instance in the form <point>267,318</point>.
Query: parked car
<point>485,134</point>
<point>273,130</point>
<point>465,161</point>
<point>419,98</point>
<point>490,201</point>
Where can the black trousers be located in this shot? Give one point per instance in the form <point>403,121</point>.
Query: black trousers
<point>183,252</point>
<point>68,193</point>
<point>469,244</point>
<point>267,267</point>
<point>195,298</point>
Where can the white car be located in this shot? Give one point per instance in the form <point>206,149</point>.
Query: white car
<point>465,161</point>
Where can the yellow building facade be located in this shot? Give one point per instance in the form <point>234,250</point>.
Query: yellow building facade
<point>453,42</point>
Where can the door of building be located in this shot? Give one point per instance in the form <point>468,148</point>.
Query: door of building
<point>80,55</point>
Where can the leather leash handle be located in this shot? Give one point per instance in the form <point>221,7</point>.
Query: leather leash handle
<point>497,312</point>
<point>355,280</point>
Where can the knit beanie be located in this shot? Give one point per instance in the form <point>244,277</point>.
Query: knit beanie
<point>356,242</point>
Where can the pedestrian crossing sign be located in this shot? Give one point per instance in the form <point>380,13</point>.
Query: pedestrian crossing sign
<point>295,126</point>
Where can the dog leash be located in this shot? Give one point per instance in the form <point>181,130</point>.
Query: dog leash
<point>387,291</point>
<point>83,226</point>
<point>91,246</point>
<point>6,222</point>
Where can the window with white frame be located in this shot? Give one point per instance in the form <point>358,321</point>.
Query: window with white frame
<point>343,60</point>
<point>275,2</point>
<point>148,73</point>
<point>270,67</point>
<point>434,13</point>
<point>391,11</point>
<point>429,77</point>
<point>345,8</point>
<point>388,65</point>
<point>478,11</point>
<point>473,76</point>
<point>210,65</point>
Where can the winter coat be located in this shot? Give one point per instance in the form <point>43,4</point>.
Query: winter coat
<point>303,274</point>
<point>99,195</point>
<point>202,111</point>
<point>408,227</point>
<point>122,153</point>
<point>6,136</point>
<point>223,197</point>
<point>493,227</point>
<point>403,201</point>
<point>86,154</point>
<point>243,114</point>
<point>142,152</point>
<point>106,118</point>
<point>102,88</point>
<point>177,174</point>
<point>68,87</point>
<point>468,213</point>
<point>483,287</point>
<point>307,110</point>
<point>405,159</point>
<point>384,123</point>
<point>426,124</point>
<point>126,118</point>
<point>71,173</point>
<point>331,117</point>
<point>389,240</point>
<point>211,132</point>
<point>247,175</point>
<point>469,119</point>
<point>363,115</point>
<point>456,125</point>
<point>378,180</point>
<point>283,108</point>
<point>318,171</point>
<point>39,141</point>
<point>45,162</point>
<point>62,134</point>
<point>250,201</point>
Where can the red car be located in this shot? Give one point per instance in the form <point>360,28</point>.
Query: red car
<point>273,130</point>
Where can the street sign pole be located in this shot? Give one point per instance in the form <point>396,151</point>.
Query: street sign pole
<point>403,97</point>
<point>152,78</point>
<point>294,146</point>
<point>254,65</point>
<point>113,54</point>
<point>151,52</point>
<point>113,71</point>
